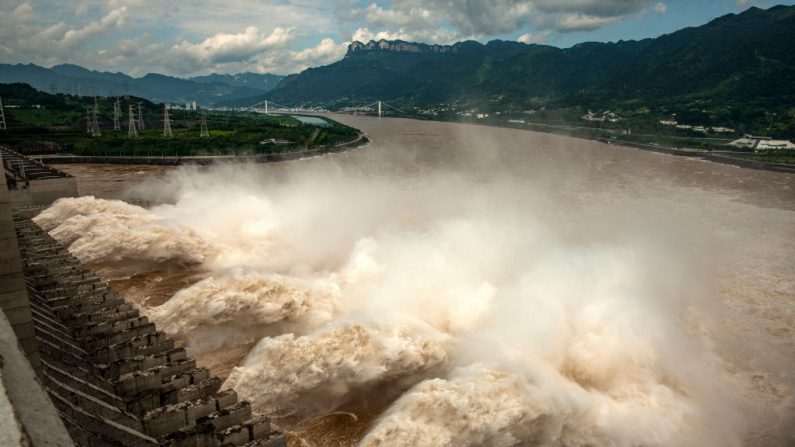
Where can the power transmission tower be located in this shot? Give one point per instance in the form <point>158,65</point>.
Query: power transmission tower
<point>2,116</point>
<point>166,123</point>
<point>204,133</point>
<point>140,117</point>
<point>95,130</point>
<point>132,132</point>
<point>116,114</point>
<point>88,120</point>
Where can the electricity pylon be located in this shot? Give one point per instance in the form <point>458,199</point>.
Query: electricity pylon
<point>140,117</point>
<point>116,114</point>
<point>132,132</point>
<point>95,130</point>
<point>204,133</point>
<point>166,123</point>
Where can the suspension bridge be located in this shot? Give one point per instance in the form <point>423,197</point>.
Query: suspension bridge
<point>379,108</point>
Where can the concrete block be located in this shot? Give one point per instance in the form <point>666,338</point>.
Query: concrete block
<point>144,403</point>
<point>225,398</point>
<point>233,436</point>
<point>199,408</point>
<point>234,415</point>
<point>191,437</point>
<point>259,427</point>
<point>159,423</point>
<point>137,383</point>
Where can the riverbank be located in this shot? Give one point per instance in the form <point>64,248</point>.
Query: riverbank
<point>199,159</point>
<point>722,157</point>
<point>714,157</point>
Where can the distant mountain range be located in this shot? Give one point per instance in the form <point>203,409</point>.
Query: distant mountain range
<point>205,90</point>
<point>738,61</point>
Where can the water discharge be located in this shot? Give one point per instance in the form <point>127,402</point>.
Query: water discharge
<point>505,298</point>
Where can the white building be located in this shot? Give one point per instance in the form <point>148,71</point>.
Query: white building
<point>761,143</point>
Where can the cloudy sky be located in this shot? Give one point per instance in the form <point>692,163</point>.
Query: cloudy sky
<point>190,37</point>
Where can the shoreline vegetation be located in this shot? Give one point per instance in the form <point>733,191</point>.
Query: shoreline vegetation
<point>43,124</point>
<point>57,128</point>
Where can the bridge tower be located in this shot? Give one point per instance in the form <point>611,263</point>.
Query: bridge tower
<point>140,117</point>
<point>2,116</point>
<point>116,114</point>
<point>379,108</point>
<point>132,132</point>
<point>166,123</point>
<point>204,133</point>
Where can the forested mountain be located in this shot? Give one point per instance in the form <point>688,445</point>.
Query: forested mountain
<point>740,60</point>
<point>73,79</point>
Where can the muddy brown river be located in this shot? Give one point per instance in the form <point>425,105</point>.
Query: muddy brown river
<point>454,284</point>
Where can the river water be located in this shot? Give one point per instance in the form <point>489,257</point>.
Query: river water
<point>454,284</point>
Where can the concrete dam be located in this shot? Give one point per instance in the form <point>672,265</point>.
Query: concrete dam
<point>79,365</point>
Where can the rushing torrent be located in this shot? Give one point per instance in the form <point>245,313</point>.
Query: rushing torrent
<point>508,313</point>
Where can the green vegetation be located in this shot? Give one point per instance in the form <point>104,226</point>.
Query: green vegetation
<point>42,122</point>
<point>735,71</point>
<point>783,157</point>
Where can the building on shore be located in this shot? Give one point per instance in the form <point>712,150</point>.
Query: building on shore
<point>758,143</point>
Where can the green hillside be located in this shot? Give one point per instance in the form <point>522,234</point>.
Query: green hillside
<point>40,122</point>
<point>735,71</point>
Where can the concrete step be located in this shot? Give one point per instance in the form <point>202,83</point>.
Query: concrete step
<point>104,429</point>
<point>78,380</point>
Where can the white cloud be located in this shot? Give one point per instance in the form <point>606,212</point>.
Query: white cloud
<point>479,18</point>
<point>440,35</point>
<point>529,38</point>
<point>24,12</point>
<point>174,37</point>
<point>113,19</point>
<point>224,48</point>
<point>580,22</point>
<point>660,8</point>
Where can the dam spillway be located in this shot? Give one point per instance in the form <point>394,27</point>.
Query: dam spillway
<point>112,377</point>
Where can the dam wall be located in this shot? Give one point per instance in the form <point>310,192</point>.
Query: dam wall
<point>27,416</point>
<point>29,182</point>
<point>13,293</point>
<point>83,365</point>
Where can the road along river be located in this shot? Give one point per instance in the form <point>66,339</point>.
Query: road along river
<point>461,285</point>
